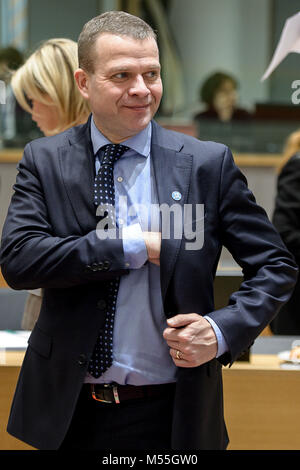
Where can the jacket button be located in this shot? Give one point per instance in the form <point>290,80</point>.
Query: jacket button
<point>106,265</point>
<point>101,304</point>
<point>100,266</point>
<point>82,360</point>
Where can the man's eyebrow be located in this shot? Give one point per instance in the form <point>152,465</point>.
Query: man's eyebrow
<point>127,68</point>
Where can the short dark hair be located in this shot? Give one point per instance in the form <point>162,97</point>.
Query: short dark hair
<point>212,84</point>
<point>12,57</point>
<point>114,22</point>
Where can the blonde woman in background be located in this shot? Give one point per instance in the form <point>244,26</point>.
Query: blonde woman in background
<point>45,87</point>
<point>286,219</point>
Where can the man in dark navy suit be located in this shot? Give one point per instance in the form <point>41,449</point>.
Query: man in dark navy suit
<point>163,389</point>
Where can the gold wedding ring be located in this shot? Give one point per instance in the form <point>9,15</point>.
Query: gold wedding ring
<point>178,356</point>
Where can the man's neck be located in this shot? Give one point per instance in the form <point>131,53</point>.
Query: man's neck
<point>114,139</point>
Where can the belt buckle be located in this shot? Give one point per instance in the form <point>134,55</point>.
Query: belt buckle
<point>109,387</point>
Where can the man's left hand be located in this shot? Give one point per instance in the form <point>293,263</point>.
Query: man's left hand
<point>193,336</point>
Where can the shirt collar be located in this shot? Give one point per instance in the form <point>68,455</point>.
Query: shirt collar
<point>140,142</point>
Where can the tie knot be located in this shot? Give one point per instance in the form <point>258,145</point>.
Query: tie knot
<point>112,152</point>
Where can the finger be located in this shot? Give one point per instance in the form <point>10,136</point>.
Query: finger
<point>182,362</point>
<point>174,344</point>
<point>182,319</point>
<point>177,355</point>
<point>179,335</point>
<point>176,334</point>
<point>170,334</point>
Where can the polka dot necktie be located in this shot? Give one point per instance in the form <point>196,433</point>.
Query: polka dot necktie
<point>104,195</point>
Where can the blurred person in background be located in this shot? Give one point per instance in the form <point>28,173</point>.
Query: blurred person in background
<point>219,93</point>
<point>45,87</point>
<point>286,219</point>
<point>10,60</point>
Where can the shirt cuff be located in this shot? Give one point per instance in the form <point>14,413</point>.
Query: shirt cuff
<point>134,247</point>
<point>222,345</point>
<point>37,292</point>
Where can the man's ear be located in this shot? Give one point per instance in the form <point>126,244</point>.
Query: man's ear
<point>82,80</point>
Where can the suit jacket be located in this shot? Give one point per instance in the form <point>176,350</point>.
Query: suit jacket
<point>286,219</point>
<point>49,241</point>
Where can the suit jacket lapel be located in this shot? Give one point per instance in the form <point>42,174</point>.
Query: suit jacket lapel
<point>78,172</point>
<point>172,169</point>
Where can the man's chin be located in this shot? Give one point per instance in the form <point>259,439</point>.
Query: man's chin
<point>140,124</point>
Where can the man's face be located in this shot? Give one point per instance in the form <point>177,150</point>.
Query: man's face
<point>125,89</point>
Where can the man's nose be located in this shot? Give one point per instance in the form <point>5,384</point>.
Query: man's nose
<point>139,87</point>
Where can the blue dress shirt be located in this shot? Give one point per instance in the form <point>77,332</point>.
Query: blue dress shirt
<point>141,354</point>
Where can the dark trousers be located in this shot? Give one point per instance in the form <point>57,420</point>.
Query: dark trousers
<point>140,424</point>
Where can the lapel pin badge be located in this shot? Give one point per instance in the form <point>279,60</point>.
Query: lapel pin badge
<point>176,195</point>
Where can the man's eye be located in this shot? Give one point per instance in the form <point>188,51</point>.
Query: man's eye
<point>152,74</point>
<point>120,76</point>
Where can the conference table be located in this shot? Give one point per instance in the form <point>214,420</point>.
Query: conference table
<point>261,398</point>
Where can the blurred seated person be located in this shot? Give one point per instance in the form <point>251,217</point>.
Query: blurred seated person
<point>10,59</point>
<point>219,93</point>
<point>45,87</point>
<point>11,114</point>
<point>286,219</point>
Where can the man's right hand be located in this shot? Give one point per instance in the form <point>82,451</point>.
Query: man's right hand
<point>153,245</point>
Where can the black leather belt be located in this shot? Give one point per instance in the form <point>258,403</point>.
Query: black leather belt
<point>115,393</point>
